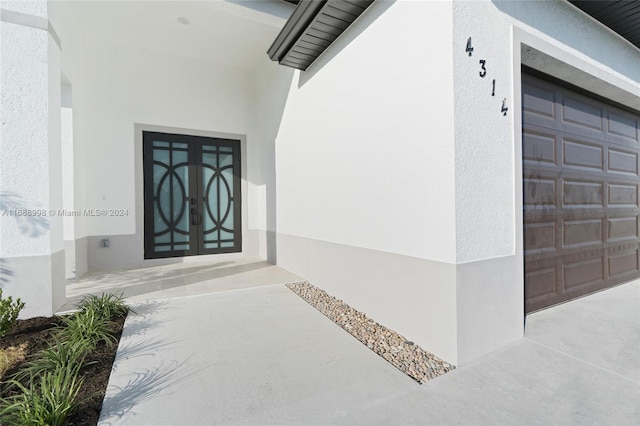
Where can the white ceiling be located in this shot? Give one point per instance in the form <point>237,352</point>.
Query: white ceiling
<point>234,32</point>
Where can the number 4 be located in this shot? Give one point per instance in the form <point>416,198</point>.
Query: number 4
<point>469,48</point>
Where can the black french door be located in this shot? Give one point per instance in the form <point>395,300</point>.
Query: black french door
<point>191,195</point>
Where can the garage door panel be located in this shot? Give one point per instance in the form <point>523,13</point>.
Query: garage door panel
<point>622,229</point>
<point>623,125</point>
<point>539,147</point>
<point>541,237</point>
<point>578,153</point>
<point>582,193</point>
<point>539,192</point>
<point>579,113</point>
<point>582,233</point>
<point>625,263</point>
<point>581,190</point>
<point>624,162</point>
<point>542,284</point>
<point>623,195</point>
<point>584,273</point>
<point>539,101</point>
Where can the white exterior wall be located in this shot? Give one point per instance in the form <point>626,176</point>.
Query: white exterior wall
<point>272,88</point>
<point>118,87</point>
<point>73,192</point>
<point>365,172</point>
<point>31,246</point>
<point>366,137</point>
<point>488,154</point>
<point>453,204</point>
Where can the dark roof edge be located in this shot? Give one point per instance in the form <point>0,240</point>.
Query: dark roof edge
<point>295,25</point>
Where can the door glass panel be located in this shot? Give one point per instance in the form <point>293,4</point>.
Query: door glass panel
<point>226,198</point>
<point>226,160</point>
<point>173,223</point>
<point>170,195</point>
<point>224,235</point>
<point>209,211</point>
<point>158,223</point>
<point>180,145</point>
<point>163,238</point>
<point>218,181</point>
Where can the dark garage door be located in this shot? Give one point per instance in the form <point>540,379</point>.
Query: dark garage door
<point>580,184</point>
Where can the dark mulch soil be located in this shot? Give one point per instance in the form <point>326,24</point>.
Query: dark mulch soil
<point>36,332</point>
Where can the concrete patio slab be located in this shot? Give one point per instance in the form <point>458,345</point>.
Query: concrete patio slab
<point>178,279</point>
<point>603,329</point>
<point>264,356</point>
<point>258,356</point>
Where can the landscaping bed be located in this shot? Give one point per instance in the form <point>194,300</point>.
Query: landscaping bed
<point>29,338</point>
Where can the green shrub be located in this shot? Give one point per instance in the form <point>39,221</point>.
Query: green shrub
<point>87,327</point>
<point>107,306</point>
<point>9,311</point>
<point>47,399</point>
<point>62,354</point>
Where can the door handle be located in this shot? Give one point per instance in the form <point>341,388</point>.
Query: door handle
<point>196,219</point>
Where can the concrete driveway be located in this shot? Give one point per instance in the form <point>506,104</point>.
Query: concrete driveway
<point>264,356</point>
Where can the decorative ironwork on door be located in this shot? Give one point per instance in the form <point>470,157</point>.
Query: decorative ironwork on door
<point>192,195</point>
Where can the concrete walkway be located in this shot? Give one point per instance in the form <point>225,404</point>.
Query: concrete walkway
<point>190,278</point>
<point>264,356</point>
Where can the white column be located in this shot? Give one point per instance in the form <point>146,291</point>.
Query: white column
<point>31,240</point>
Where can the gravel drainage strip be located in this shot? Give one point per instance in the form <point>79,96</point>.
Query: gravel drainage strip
<point>406,356</point>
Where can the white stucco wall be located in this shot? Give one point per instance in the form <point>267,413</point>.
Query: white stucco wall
<point>74,163</point>
<point>67,160</point>
<point>365,153</point>
<point>365,172</point>
<point>272,84</point>
<point>31,245</point>
<point>36,8</point>
<point>24,164</point>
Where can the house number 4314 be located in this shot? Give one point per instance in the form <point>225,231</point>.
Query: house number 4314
<point>482,72</point>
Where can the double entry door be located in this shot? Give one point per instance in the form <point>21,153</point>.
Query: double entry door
<point>191,195</point>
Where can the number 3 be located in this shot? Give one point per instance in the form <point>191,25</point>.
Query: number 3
<point>484,70</point>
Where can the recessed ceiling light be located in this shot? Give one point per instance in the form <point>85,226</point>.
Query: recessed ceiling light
<point>183,20</point>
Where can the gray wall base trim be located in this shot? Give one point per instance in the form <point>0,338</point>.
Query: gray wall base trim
<point>123,252</point>
<point>459,312</point>
<point>490,305</point>
<point>37,280</point>
<point>81,259</point>
<point>58,281</point>
<point>126,251</point>
<point>415,297</point>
